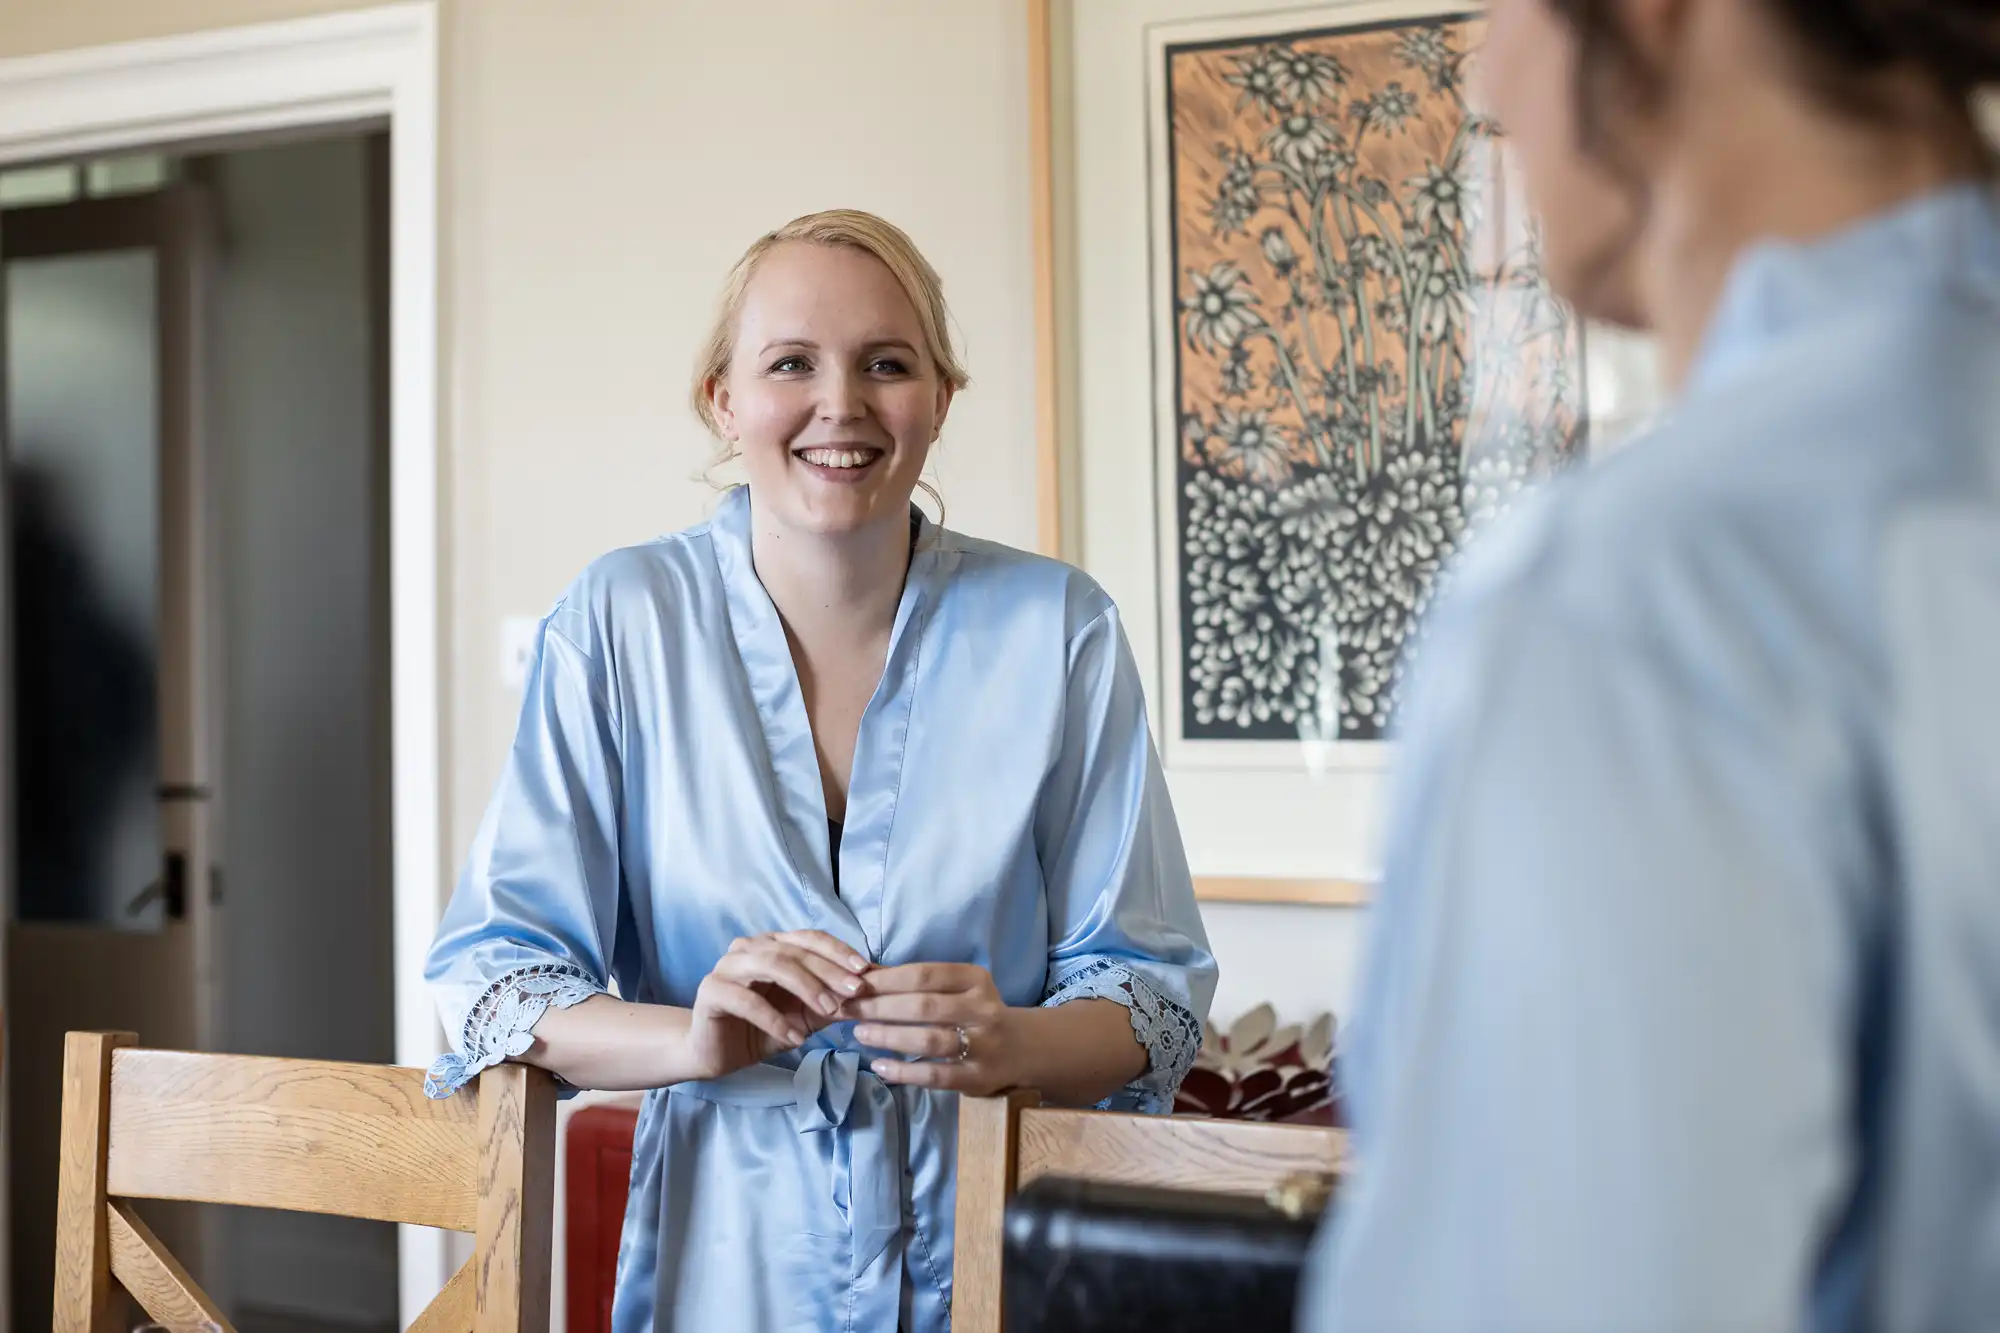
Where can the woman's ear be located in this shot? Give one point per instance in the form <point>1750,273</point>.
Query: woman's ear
<point>945,395</point>
<point>718,404</point>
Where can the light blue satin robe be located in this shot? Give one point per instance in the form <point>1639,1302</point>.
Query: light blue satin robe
<point>1006,808</point>
<point>1682,1007</point>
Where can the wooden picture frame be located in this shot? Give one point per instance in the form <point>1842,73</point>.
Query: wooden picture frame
<point>1084,133</point>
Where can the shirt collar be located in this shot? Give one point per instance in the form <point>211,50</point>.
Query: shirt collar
<point>1777,289</point>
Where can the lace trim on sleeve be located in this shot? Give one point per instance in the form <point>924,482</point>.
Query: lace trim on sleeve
<point>501,1025</point>
<point>1170,1034</point>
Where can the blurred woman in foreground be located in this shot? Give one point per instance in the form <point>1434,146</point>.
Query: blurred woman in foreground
<point>1683,1010</point>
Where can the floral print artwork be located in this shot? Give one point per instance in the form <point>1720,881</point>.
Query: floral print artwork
<point>1367,365</point>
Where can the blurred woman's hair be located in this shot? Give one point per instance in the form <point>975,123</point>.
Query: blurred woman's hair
<point>1846,53</point>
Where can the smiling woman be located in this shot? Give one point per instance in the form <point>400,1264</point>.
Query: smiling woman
<point>885,291</point>
<point>857,812</point>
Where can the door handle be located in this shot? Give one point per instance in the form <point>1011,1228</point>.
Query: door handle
<point>170,887</point>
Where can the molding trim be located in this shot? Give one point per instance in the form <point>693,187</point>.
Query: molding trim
<point>1260,889</point>
<point>226,82</point>
<point>1042,222</point>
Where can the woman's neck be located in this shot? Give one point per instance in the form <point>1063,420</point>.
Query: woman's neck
<point>833,592</point>
<point>1774,166</point>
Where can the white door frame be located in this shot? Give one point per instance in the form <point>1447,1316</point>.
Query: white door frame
<point>367,64</point>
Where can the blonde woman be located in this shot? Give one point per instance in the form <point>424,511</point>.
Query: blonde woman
<point>858,813</point>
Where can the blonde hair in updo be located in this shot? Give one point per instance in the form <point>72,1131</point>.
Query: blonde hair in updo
<point>838,226</point>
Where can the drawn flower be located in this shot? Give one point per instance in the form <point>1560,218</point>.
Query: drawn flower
<point>1257,75</point>
<point>1236,197</point>
<point>1444,300</point>
<point>1389,110</point>
<point>1490,485</point>
<point>1410,513</point>
<point>1220,308</point>
<point>1371,253</point>
<point>1426,49</point>
<point>1299,137</point>
<point>1306,77</point>
<point>1439,198</point>
<point>1278,252</point>
<point>1331,168</point>
<point>1251,443</point>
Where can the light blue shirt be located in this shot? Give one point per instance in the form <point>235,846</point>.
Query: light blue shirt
<point>1005,808</point>
<point>1682,1010</point>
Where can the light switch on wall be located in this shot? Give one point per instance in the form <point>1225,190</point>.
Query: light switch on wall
<point>517,648</point>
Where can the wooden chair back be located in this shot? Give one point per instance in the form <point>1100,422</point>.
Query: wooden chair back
<point>1006,1142</point>
<point>307,1135</point>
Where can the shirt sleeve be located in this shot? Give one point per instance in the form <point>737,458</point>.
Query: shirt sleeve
<point>1124,925</point>
<point>533,921</point>
<point>1598,1071</point>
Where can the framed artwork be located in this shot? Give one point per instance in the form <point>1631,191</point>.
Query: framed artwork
<point>1300,348</point>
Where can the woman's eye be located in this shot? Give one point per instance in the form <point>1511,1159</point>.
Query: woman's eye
<point>888,365</point>
<point>790,365</point>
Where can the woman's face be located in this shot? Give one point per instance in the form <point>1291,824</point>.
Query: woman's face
<point>830,397</point>
<point>1528,80</point>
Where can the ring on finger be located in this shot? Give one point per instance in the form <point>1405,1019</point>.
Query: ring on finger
<point>964,1045</point>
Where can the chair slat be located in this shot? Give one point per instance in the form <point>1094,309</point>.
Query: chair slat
<point>451,1310</point>
<point>517,1129</point>
<point>1219,1156</point>
<point>83,1243</point>
<point>154,1277</point>
<point>307,1135</point>
<point>987,1129</point>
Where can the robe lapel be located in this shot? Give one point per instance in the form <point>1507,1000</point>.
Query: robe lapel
<point>797,797</point>
<point>879,747</point>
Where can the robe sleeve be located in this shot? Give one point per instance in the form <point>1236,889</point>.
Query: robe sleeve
<point>534,918</point>
<point>1123,921</point>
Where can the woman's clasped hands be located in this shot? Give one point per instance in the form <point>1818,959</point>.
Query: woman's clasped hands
<point>769,993</point>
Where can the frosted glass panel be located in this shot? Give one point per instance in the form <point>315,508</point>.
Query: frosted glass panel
<point>83,483</point>
<point>38,185</point>
<point>126,175</point>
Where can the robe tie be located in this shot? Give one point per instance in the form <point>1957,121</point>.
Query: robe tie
<point>830,1090</point>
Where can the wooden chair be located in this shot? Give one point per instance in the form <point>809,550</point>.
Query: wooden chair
<point>312,1136</point>
<point>1008,1141</point>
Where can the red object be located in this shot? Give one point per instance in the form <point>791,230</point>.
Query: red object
<point>1258,1070</point>
<point>597,1165</point>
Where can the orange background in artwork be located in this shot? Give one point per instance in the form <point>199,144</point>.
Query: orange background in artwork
<point>1207,116</point>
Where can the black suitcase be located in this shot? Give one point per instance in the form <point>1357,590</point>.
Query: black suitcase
<point>1092,1258</point>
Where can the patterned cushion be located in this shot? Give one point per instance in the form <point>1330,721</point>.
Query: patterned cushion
<point>1258,1070</point>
